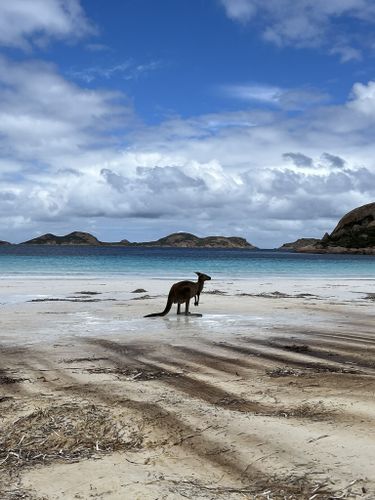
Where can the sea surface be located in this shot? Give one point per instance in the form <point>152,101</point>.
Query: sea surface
<point>69,261</point>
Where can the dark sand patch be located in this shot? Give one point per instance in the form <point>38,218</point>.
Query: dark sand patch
<point>81,360</point>
<point>71,299</point>
<point>144,297</point>
<point>278,295</point>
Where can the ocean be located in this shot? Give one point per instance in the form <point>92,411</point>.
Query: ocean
<point>82,261</point>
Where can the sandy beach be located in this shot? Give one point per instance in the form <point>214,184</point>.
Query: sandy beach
<point>269,395</point>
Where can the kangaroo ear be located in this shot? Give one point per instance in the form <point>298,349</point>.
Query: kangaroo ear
<point>198,274</point>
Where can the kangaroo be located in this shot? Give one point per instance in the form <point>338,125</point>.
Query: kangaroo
<point>181,293</point>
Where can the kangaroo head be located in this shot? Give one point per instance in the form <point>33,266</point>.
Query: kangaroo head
<point>203,277</point>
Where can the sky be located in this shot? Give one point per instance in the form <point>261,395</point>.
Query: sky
<point>133,119</point>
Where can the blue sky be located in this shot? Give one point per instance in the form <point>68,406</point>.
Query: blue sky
<point>136,118</point>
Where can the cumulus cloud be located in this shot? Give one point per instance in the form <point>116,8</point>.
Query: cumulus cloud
<point>363,98</point>
<point>24,23</point>
<point>42,115</point>
<point>333,161</point>
<point>299,159</point>
<point>201,198</point>
<point>306,23</point>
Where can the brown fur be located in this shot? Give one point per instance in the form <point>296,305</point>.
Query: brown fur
<point>181,293</point>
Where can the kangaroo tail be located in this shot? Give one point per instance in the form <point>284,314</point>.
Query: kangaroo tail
<point>166,310</point>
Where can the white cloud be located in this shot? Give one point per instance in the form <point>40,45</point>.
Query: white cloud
<point>347,53</point>
<point>43,115</point>
<point>308,23</point>
<point>363,99</point>
<point>267,198</point>
<point>299,159</point>
<point>240,10</point>
<point>252,92</point>
<point>24,23</point>
<point>127,70</point>
<point>299,98</point>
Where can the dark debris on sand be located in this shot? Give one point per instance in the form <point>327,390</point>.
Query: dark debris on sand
<point>5,380</point>
<point>278,295</point>
<point>69,432</point>
<point>135,373</point>
<point>144,297</point>
<point>71,299</point>
<point>285,371</point>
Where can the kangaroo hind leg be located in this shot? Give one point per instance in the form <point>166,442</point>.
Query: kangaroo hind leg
<point>187,313</point>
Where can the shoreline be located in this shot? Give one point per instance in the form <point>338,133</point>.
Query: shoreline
<point>145,277</point>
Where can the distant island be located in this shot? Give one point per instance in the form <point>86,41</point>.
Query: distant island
<point>300,243</point>
<point>177,240</point>
<point>75,238</point>
<point>187,240</point>
<point>355,233</point>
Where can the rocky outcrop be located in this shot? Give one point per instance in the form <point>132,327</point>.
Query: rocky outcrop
<point>75,238</point>
<point>4,242</point>
<point>300,243</point>
<point>178,240</point>
<point>188,240</point>
<point>355,233</point>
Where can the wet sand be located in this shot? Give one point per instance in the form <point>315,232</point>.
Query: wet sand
<point>269,395</point>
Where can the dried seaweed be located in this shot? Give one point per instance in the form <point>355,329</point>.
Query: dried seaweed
<point>295,347</point>
<point>278,295</point>
<point>293,372</point>
<point>72,299</point>
<point>284,372</point>
<point>5,380</point>
<point>271,488</point>
<point>314,411</point>
<point>69,432</point>
<point>134,373</point>
<point>81,360</point>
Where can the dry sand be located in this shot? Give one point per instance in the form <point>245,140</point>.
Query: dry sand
<point>269,395</point>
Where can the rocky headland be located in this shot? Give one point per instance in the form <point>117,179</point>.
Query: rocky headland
<point>300,243</point>
<point>355,233</point>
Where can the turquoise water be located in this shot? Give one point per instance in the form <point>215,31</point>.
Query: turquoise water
<point>63,261</point>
